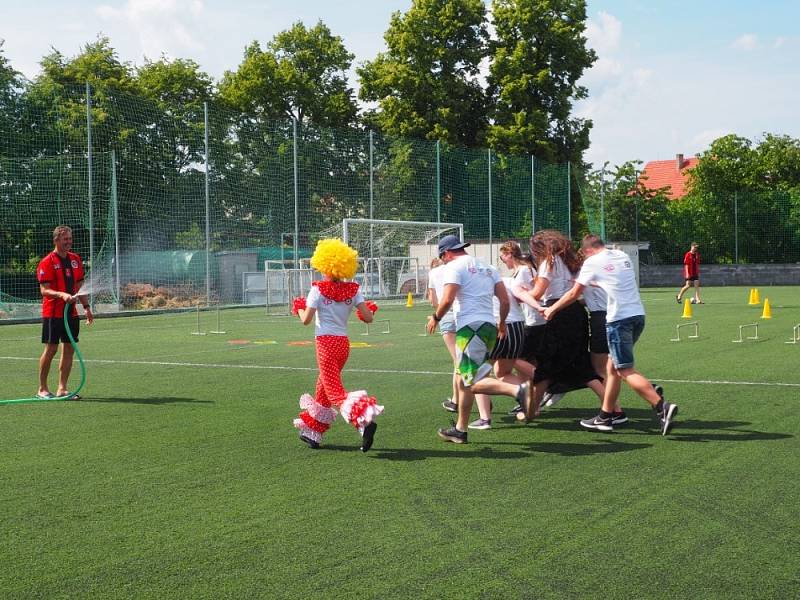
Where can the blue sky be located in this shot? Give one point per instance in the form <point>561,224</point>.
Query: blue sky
<point>671,76</point>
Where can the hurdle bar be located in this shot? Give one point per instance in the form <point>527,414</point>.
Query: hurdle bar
<point>198,332</point>
<point>694,324</point>
<point>219,329</point>
<point>795,335</point>
<point>388,326</point>
<point>750,337</point>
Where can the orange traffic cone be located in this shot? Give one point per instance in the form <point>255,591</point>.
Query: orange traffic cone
<point>687,309</point>
<point>767,314</point>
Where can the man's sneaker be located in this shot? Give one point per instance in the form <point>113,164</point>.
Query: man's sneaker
<point>450,406</point>
<point>618,418</point>
<point>481,424</point>
<point>678,299</point>
<point>451,434</point>
<point>666,417</point>
<point>659,390</point>
<point>517,409</point>
<point>549,399</point>
<point>368,436</point>
<point>313,444</point>
<point>598,423</point>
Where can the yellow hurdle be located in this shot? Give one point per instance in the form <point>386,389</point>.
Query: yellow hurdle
<point>687,309</point>
<point>767,314</point>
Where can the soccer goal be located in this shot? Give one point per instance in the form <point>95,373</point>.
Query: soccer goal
<point>395,256</point>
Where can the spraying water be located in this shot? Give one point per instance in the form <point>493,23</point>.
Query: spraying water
<point>99,282</point>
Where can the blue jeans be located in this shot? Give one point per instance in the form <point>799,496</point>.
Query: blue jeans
<point>622,335</point>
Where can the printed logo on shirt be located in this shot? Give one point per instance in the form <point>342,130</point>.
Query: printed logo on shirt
<point>327,301</point>
<point>41,272</point>
<point>74,264</point>
<point>472,270</point>
<point>56,266</point>
<point>609,267</point>
<point>348,301</point>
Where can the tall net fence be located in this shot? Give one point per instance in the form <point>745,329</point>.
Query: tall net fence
<point>175,206</point>
<point>739,228</point>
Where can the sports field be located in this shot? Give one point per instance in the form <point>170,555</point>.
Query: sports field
<point>179,474</point>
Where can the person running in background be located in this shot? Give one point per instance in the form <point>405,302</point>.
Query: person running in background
<point>331,301</point>
<point>60,275</point>
<point>612,270</point>
<point>691,274</point>
<point>447,326</point>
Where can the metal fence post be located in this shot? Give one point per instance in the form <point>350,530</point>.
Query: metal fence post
<point>208,207</point>
<point>603,203</point>
<point>438,182</point>
<point>569,202</point>
<point>491,253</point>
<point>736,228</point>
<point>89,190</point>
<point>295,245</point>
<point>533,195</point>
<point>115,205</point>
<point>371,197</point>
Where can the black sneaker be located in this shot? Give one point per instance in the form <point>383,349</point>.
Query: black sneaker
<point>677,298</point>
<point>666,416</point>
<point>451,434</point>
<point>517,409</point>
<point>313,444</point>
<point>368,436</point>
<point>450,406</point>
<point>618,418</point>
<point>659,390</point>
<point>598,423</point>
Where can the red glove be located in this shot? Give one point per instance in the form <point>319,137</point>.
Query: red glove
<point>297,304</point>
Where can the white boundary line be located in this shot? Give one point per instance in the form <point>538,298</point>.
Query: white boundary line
<point>159,363</point>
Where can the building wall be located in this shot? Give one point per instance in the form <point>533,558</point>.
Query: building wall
<point>766,274</point>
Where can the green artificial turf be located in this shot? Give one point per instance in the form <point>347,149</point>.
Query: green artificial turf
<point>179,474</point>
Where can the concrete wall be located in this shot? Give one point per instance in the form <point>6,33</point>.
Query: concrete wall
<point>767,274</point>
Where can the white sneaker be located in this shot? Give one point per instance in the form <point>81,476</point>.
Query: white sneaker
<point>481,424</point>
<point>552,399</point>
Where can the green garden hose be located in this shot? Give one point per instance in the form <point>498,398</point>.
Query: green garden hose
<point>80,362</point>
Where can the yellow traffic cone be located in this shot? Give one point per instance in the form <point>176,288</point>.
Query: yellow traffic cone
<point>756,295</point>
<point>752,299</point>
<point>767,314</point>
<point>410,301</point>
<point>687,309</point>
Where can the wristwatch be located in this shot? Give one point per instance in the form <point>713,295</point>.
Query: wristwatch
<point>435,318</point>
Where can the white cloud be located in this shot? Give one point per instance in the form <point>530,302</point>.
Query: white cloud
<point>702,140</point>
<point>169,27</point>
<point>604,33</point>
<point>746,41</point>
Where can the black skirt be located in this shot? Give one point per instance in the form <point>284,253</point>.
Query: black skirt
<point>563,353</point>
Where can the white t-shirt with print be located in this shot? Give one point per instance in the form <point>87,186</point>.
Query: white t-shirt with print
<point>612,270</point>
<point>436,284</point>
<point>477,280</point>
<point>515,314</point>
<point>331,317</point>
<point>560,280</point>
<point>596,299</point>
<point>524,279</point>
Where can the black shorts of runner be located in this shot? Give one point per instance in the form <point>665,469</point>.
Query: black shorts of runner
<point>53,331</point>
<point>512,345</point>
<point>598,340</point>
<point>695,278</point>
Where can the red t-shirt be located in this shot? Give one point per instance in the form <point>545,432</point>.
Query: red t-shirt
<point>691,264</point>
<point>62,275</point>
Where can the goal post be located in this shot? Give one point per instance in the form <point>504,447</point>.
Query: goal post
<point>394,255</point>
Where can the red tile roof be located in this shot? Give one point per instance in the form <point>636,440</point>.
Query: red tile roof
<point>662,173</point>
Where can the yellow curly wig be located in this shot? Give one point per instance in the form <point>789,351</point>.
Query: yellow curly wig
<point>335,259</point>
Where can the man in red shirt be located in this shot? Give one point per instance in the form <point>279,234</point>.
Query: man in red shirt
<point>60,275</point>
<point>691,273</point>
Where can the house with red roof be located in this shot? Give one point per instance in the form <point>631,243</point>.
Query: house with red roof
<point>674,174</point>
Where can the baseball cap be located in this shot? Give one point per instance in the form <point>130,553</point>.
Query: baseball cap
<point>451,242</point>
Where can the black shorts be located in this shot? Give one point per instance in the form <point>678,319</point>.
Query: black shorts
<point>533,340</point>
<point>512,345</point>
<point>53,330</point>
<point>598,340</point>
<point>693,278</point>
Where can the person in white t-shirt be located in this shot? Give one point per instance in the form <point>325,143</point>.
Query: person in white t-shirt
<point>469,286</point>
<point>612,270</point>
<point>563,354</point>
<point>447,326</point>
<point>329,303</point>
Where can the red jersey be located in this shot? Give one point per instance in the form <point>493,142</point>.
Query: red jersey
<point>691,264</point>
<point>62,275</point>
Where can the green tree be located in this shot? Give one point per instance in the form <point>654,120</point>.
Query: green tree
<point>537,59</point>
<point>426,84</point>
<point>301,75</point>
